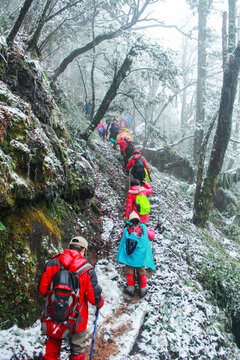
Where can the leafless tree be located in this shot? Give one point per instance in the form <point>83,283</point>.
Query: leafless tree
<point>11,36</point>
<point>221,139</point>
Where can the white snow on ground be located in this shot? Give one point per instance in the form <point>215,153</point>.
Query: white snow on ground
<point>176,319</point>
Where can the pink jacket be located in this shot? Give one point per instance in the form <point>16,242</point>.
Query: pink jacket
<point>131,200</point>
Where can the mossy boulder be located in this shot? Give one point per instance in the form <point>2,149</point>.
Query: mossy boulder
<point>27,237</point>
<point>35,162</point>
<point>27,79</point>
<point>46,186</point>
<point>168,161</point>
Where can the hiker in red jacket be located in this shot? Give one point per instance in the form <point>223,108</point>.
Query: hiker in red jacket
<point>72,259</point>
<point>136,189</point>
<point>122,142</point>
<point>137,165</point>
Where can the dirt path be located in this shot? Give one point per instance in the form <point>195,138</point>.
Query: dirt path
<point>175,320</point>
<point>128,315</point>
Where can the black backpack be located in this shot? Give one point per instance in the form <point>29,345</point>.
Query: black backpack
<point>133,238</point>
<point>60,314</point>
<point>138,167</point>
<point>129,149</point>
<point>64,294</point>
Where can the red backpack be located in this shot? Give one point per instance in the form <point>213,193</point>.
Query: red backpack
<point>60,316</point>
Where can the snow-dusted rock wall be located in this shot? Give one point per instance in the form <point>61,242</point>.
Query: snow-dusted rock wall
<point>35,162</point>
<point>46,186</point>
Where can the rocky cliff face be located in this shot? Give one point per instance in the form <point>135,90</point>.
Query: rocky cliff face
<point>168,161</point>
<point>46,185</point>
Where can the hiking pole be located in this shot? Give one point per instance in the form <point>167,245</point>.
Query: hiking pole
<point>94,333</point>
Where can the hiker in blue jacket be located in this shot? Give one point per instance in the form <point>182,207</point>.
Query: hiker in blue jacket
<point>87,109</point>
<point>135,252</point>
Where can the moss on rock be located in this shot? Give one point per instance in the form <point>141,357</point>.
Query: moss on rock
<point>28,237</point>
<point>46,184</point>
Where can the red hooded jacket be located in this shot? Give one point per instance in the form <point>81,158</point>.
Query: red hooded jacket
<point>122,144</point>
<point>90,291</point>
<point>132,162</point>
<point>131,200</point>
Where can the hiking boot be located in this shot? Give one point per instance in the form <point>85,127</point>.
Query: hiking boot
<point>142,285</point>
<point>142,292</point>
<point>129,290</point>
<point>130,284</point>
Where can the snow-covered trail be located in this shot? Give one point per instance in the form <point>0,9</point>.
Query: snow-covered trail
<point>175,320</point>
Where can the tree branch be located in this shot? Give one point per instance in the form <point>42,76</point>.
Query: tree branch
<point>98,39</point>
<point>112,91</point>
<point>160,24</point>
<point>50,17</point>
<point>171,99</point>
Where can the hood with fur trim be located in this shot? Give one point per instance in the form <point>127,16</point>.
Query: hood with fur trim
<point>136,189</point>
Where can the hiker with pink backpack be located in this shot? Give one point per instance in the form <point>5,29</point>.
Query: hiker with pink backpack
<point>68,284</point>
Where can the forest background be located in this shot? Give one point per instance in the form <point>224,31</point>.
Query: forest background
<point>175,69</point>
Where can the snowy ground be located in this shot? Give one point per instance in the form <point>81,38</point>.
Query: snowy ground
<point>176,319</point>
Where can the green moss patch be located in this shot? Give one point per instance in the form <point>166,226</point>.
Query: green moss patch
<point>28,237</point>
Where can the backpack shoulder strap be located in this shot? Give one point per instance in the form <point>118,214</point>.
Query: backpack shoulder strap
<point>84,269</point>
<point>59,264</point>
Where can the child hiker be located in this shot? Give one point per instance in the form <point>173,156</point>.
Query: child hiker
<point>135,252</point>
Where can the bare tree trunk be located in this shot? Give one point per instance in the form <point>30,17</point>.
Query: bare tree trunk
<point>224,40</point>
<point>149,110</point>
<point>183,111</point>
<point>111,93</point>
<point>231,43</point>
<point>201,78</point>
<point>93,61</point>
<point>18,23</point>
<point>231,26</point>
<point>202,160</point>
<point>84,85</point>
<point>32,44</point>
<point>236,128</point>
<point>221,139</point>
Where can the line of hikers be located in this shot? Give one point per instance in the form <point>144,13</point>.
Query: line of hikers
<point>111,129</point>
<point>69,283</point>
<point>135,250</point>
